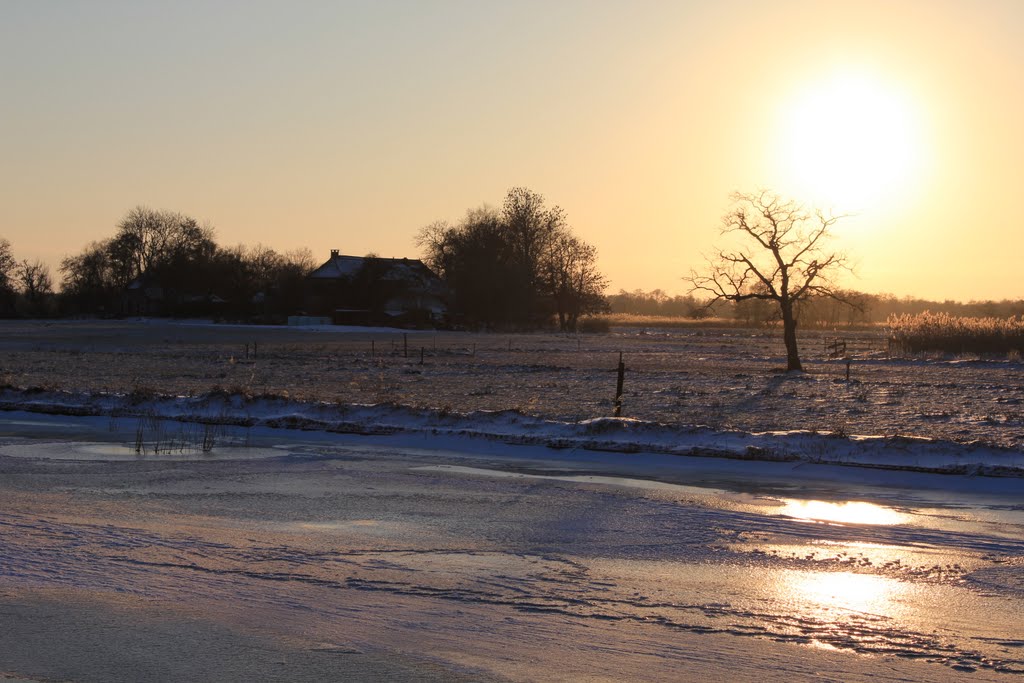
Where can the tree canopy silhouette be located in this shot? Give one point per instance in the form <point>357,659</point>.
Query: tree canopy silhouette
<point>520,266</point>
<point>180,257</point>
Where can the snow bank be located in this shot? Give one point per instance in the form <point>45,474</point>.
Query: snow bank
<point>623,435</point>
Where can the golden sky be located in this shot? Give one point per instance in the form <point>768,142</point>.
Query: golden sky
<point>351,124</point>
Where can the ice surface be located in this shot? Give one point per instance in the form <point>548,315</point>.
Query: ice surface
<point>515,561</point>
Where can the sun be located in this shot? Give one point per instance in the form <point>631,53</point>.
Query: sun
<point>851,141</point>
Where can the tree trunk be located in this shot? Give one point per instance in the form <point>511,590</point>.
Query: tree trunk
<point>789,336</point>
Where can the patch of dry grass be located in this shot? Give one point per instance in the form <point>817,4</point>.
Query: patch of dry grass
<point>664,321</point>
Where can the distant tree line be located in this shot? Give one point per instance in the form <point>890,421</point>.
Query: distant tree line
<point>520,266</point>
<point>815,311</point>
<point>167,256</point>
<point>658,303</point>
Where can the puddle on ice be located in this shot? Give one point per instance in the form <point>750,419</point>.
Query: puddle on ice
<point>628,482</point>
<point>996,522</point>
<point>42,424</point>
<point>846,512</point>
<point>112,451</point>
<point>362,527</point>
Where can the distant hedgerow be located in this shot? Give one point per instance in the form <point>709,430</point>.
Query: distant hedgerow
<point>952,334</point>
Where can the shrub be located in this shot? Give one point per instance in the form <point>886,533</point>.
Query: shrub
<point>594,324</point>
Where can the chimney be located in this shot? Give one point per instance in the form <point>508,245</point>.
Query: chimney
<point>334,253</point>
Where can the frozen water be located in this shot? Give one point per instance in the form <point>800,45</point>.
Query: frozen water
<point>464,558</point>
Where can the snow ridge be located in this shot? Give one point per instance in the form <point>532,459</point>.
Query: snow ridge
<point>623,435</point>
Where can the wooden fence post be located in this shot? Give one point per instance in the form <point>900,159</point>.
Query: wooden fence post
<point>618,386</point>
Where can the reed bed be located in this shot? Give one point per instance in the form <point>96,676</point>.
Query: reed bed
<point>953,334</point>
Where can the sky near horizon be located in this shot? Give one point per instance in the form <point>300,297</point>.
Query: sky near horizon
<point>350,125</point>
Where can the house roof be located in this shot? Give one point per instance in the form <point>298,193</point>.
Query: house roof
<point>394,269</point>
<point>339,267</point>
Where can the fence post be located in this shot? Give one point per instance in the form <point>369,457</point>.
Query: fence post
<point>618,386</point>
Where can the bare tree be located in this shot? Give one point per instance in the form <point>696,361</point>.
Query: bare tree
<point>781,256</point>
<point>573,281</point>
<point>36,284</point>
<point>8,270</point>
<point>436,241</point>
<point>88,281</point>
<point>7,263</point>
<point>531,228</point>
<point>147,238</point>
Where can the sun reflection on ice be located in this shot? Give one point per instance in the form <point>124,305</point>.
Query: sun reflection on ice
<point>851,512</point>
<point>862,593</point>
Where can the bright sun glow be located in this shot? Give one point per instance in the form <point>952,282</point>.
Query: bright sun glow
<point>851,142</point>
<point>853,512</point>
<point>845,591</point>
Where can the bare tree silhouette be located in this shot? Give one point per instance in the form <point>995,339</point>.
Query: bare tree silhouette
<point>8,270</point>
<point>782,256</point>
<point>36,284</point>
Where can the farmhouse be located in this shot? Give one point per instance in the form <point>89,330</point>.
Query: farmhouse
<point>361,290</point>
<point>148,295</point>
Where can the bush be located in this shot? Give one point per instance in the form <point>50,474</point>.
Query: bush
<point>594,325</point>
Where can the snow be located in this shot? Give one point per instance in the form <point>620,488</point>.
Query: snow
<point>705,392</point>
<point>618,435</point>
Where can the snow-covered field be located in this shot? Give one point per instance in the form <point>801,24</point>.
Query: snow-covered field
<point>184,501</point>
<point>702,392</point>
